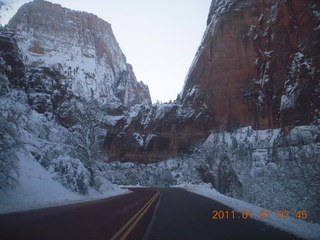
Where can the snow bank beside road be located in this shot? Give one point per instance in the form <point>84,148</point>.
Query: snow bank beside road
<point>295,226</point>
<point>36,189</point>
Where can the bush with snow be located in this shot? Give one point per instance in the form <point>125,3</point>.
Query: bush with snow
<point>162,174</point>
<point>71,173</point>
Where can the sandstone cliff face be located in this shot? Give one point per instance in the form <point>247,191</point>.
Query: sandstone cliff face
<point>81,49</point>
<point>258,64</point>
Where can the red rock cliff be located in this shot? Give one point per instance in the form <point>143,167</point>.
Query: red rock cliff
<point>258,64</point>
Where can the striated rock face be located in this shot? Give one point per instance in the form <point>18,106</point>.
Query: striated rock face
<point>81,49</point>
<point>258,64</point>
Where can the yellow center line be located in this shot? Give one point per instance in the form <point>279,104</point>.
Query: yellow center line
<point>135,218</point>
<point>139,217</point>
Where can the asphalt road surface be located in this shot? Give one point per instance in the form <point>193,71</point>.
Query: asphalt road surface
<point>97,220</point>
<point>184,215</point>
<point>143,214</point>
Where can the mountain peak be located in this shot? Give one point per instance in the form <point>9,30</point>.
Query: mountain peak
<point>79,45</point>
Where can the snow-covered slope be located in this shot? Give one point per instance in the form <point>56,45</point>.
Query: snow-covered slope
<point>38,168</point>
<point>82,48</point>
<point>36,189</point>
<point>39,165</point>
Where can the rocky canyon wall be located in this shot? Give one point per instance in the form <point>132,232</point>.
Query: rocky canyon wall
<point>258,65</point>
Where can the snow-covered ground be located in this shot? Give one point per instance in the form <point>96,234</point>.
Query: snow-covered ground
<point>295,226</point>
<point>36,189</point>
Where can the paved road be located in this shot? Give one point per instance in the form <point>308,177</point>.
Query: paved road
<point>176,215</point>
<point>184,215</point>
<point>87,221</point>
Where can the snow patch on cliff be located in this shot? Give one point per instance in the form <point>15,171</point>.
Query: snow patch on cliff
<point>139,138</point>
<point>87,77</point>
<point>290,96</point>
<point>300,66</point>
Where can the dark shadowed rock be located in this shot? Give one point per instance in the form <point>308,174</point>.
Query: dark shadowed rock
<point>12,66</point>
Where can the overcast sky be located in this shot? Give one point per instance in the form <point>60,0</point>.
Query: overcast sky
<point>158,37</point>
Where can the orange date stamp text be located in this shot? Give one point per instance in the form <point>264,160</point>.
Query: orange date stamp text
<point>260,215</point>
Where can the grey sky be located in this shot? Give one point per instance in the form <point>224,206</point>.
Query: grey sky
<point>158,37</point>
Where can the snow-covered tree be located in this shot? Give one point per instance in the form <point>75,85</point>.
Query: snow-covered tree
<point>215,164</point>
<point>87,138</point>
<point>302,176</point>
<point>8,161</point>
<point>10,142</point>
<point>71,173</point>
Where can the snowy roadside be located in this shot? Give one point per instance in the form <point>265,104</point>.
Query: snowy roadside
<point>295,226</point>
<point>36,189</point>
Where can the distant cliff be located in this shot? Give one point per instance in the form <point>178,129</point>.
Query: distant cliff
<point>81,49</point>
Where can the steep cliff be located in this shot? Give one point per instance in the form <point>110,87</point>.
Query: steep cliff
<point>258,64</point>
<point>81,49</point>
